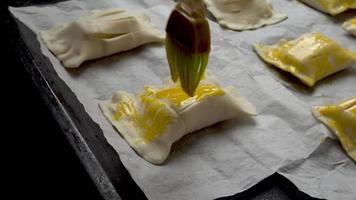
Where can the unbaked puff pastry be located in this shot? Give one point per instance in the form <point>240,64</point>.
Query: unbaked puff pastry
<point>154,119</point>
<point>332,7</point>
<point>100,33</point>
<point>311,57</point>
<point>340,119</point>
<point>350,26</point>
<point>243,14</point>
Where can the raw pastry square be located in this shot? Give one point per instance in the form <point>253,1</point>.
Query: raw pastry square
<point>332,7</point>
<point>99,34</point>
<point>350,26</point>
<point>244,14</point>
<point>341,120</point>
<point>156,118</point>
<point>311,57</point>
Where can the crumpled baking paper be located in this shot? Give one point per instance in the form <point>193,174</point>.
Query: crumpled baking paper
<point>231,156</point>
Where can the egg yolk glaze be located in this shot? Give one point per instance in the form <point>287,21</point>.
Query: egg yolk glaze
<point>353,21</point>
<point>332,7</point>
<point>179,98</point>
<point>155,114</point>
<point>350,26</point>
<point>341,119</point>
<point>311,57</point>
<point>152,120</point>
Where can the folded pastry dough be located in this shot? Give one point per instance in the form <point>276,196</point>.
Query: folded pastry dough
<point>340,119</point>
<point>332,7</point>
<point>243,14</point>
<point>311,57</point>
<point>350,26</point>
<point>156,118</point>
<point>98,34</point>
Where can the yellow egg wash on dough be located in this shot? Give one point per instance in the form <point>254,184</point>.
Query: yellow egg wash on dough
<point>311,57</point>
<point>340,4</point>
<point>353,22</point>
<point>152,121</point>
<point>155,116</point>
<point>124,107</point>
<point>291,54</point>
<point>342,119</point>
<point>177,96</point>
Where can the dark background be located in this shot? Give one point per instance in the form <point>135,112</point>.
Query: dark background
<point>41,163</point>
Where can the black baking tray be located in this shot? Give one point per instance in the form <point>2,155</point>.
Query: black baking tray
<point>101,161</point>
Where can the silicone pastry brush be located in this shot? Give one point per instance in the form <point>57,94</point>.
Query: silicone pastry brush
<point>188,44</point>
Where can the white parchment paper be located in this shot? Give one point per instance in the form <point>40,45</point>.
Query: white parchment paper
<point>232,156</point>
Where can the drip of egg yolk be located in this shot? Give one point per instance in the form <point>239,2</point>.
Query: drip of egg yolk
<point>310,58</point>
<point>156,116</point>
<point>342,120</point>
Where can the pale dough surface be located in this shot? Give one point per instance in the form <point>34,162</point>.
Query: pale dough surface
<point>244,14</point>
<point>192,117</point>
<point>100,33</point>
